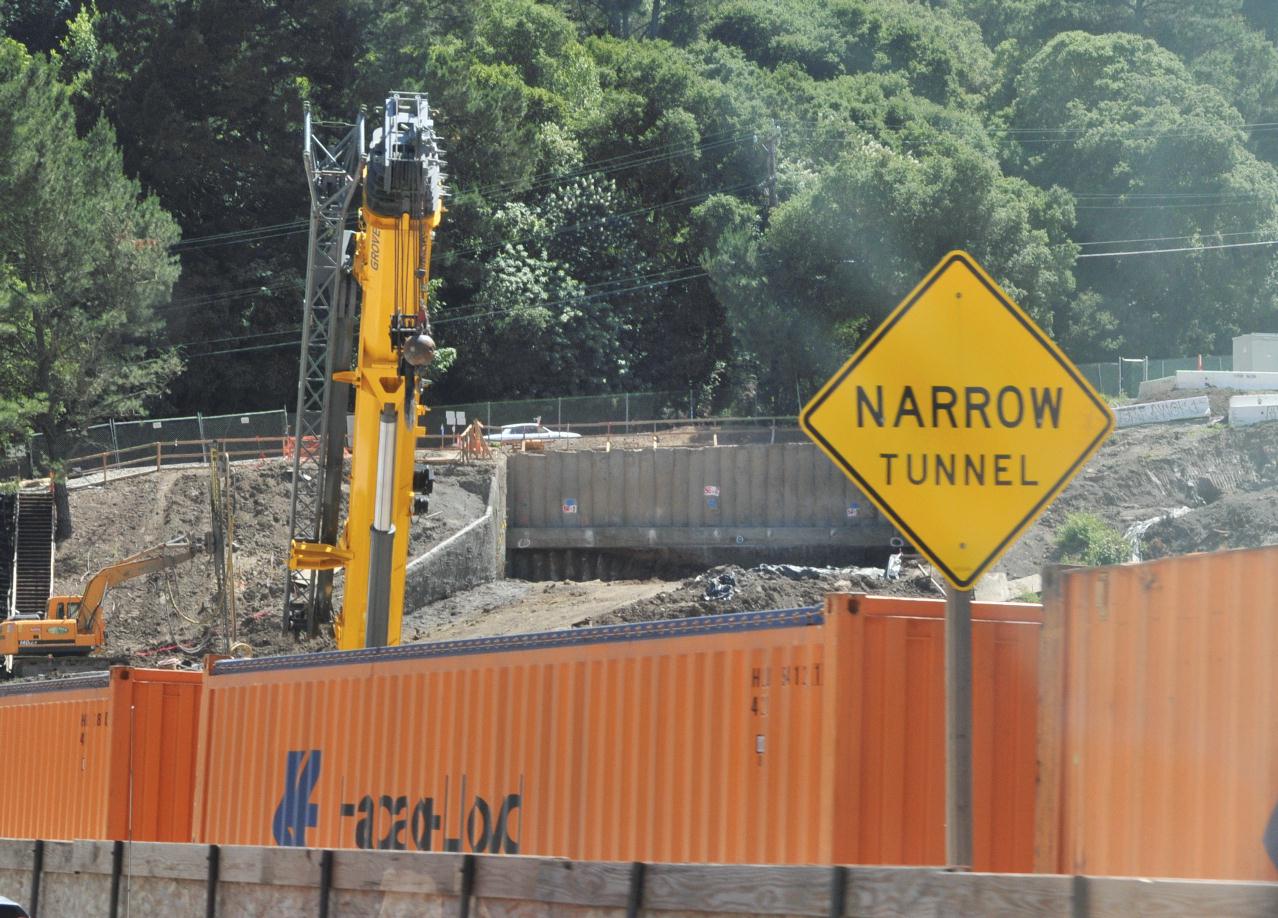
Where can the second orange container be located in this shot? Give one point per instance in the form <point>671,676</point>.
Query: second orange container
<point>1160,723</point>
<point>105,756</point>
<point>801,736</point>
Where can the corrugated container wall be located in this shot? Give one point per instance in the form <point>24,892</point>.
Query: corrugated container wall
<point>779,737</point>
<point>1164,718</point>
<point>106,756</point>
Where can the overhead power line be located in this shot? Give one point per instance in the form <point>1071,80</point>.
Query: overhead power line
<point>243,350</point>
<point>602,221</point>
<point>588,294</point>
<point>247,336</point>
<point>1173,238</point>
<point>1234,203</point>
<point>1191,248</point>
<point>572,300</point>
<point>648,156</point>
<point>211,298</point>
<point>295,283</point>
<point>235,234</point>
<point>605,166</point>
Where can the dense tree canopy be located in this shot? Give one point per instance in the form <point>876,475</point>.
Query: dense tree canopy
<point>712,195</point>
<point>84,265</point>
<point>1151,154</point>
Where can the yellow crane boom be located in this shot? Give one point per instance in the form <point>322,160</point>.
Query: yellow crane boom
<point>402,204</point>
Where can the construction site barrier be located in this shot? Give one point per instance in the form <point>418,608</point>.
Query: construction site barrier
<point>1158,736</point>
<point>696,432</point>
<point>120,878</point>
<point>157,455</point>
<point>653,432</point>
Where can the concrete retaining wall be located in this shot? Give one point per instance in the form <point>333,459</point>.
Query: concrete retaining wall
<point>1226,379</point>
<point>474,555</point>
<point>1245,410</point>
<point>1153,387</point>
<point>83,878</point>
<point>779,497</point>
<point>1174,409</point>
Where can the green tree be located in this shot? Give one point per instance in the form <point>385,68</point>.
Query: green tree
<point>557,313</point>
<point>84,263</point>
<point>839,254</point>
<point>940,54</point>
<point>1152,154</point>
<point>37,24</point>
<point>206,99</point>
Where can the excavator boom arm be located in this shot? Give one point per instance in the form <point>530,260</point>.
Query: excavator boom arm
<point>157,558</point>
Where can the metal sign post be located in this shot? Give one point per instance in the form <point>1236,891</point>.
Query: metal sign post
<point>958,728</point>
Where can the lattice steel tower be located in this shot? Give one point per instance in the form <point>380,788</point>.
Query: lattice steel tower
<point>328,314</point>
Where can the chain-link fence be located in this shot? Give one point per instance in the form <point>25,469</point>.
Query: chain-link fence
<point>563,412</point>
<point>117,436</point>
<point>1124,376</point>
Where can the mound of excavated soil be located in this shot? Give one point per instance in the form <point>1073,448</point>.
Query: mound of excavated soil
<point>153,618</point>
<point>768,586</point>
<point>1147,472</point>
<point>1240,520</point>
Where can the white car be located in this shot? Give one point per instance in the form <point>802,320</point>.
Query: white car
<point>517,433</point>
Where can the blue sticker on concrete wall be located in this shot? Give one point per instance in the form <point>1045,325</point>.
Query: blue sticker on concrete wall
<point>712,503</point>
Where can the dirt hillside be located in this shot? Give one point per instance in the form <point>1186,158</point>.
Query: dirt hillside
<point>1227,479</point>
<point>155,617</point>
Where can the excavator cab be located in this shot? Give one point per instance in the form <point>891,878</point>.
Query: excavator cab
<point>63,607</point>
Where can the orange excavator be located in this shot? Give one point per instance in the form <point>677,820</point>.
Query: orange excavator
<point>75,625</point>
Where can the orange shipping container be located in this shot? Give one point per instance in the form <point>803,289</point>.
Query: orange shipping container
<point>1163,718</point>
<point>102,756</point>
<point>773,737</point>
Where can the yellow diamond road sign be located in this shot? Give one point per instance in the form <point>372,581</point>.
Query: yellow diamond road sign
<point>959,418</point>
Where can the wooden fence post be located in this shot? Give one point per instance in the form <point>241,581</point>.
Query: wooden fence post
<point>157,455</point>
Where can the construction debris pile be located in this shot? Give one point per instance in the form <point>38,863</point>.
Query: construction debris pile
<point>768,586</point>
<point>1227,478</point>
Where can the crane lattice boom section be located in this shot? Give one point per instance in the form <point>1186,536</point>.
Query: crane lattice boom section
<point>333,172</point>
